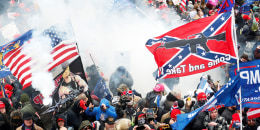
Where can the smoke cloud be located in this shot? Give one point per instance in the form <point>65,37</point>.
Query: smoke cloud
<point>113,38</point>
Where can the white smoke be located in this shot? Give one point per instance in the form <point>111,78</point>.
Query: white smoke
<point>116,38</point>
<point>113,38</point>
<point>39,51</point>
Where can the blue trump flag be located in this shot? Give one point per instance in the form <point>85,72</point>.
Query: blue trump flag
<point>250,82</point>
<point>101,90</point>
<point>248,2</point>
<point>245,9</point>
<point>225,96</point>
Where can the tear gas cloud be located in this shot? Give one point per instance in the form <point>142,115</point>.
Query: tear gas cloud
<point>113,38</point>
<point>118,38</point>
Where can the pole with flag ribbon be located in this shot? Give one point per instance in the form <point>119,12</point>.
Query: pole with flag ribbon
<point>88,92</point>
<point>235,40</point>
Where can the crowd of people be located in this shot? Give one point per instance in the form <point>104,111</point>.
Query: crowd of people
<point>128,109</point>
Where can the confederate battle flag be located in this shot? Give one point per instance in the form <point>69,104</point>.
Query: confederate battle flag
<point>195,47</point>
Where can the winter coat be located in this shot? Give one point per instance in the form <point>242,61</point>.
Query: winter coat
<point>227,114</point>
<point>247,127</point>
<point>17,92</point>
<point>197,122</point>
<point>16,119</point>
<point>150,96</point>
<point>170,99</point>
<point>84,124</point>
<point>4,122</point>
<point>8,106</point>
<point>94,76</point>
<point>116,79</point>
<point>97,111</point>
<point>35,127</point>
<point>221,123</point>
<point>74,118</point>
<point>27,107</point>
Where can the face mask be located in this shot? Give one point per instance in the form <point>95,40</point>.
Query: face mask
<point>141,121</point>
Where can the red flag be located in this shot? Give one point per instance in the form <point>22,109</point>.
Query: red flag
<point>194,47</point>
<point>253,113</point>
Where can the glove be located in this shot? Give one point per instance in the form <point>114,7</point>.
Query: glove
<point>82,105</point>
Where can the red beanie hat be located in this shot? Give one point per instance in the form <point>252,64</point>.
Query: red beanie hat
<point>235,118</point>
<point>2,104</point>
<point>174,113</point>
<point>9,87</point>
<point>246,17</point>
<point>201,96</point>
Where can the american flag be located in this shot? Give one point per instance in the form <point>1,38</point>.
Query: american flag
<point>183,6</point>
<point>253,113</point>
<point>20,63</point>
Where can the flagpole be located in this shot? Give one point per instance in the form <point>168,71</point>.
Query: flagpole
<point>238,69</point>
<point>88,92</point>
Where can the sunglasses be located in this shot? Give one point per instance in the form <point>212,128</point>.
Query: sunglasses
<point>251,120</point>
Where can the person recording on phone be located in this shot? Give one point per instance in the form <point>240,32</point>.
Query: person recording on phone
<point>141,122</point>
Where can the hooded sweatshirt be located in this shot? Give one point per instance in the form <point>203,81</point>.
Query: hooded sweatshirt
<point>98,112</point>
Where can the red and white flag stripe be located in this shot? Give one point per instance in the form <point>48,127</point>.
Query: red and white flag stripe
<point>183,6</point>
<point>20,63</point>
<point>253,113</point>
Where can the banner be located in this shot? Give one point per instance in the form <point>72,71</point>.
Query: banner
<point>249,82</point>
<point>224,97</point>
<point>191,49</point>
<point>71,82</point>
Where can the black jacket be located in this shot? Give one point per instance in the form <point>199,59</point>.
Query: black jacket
<point>74,118</point>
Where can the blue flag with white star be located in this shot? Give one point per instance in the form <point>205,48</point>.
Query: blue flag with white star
<point>225,96</point>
